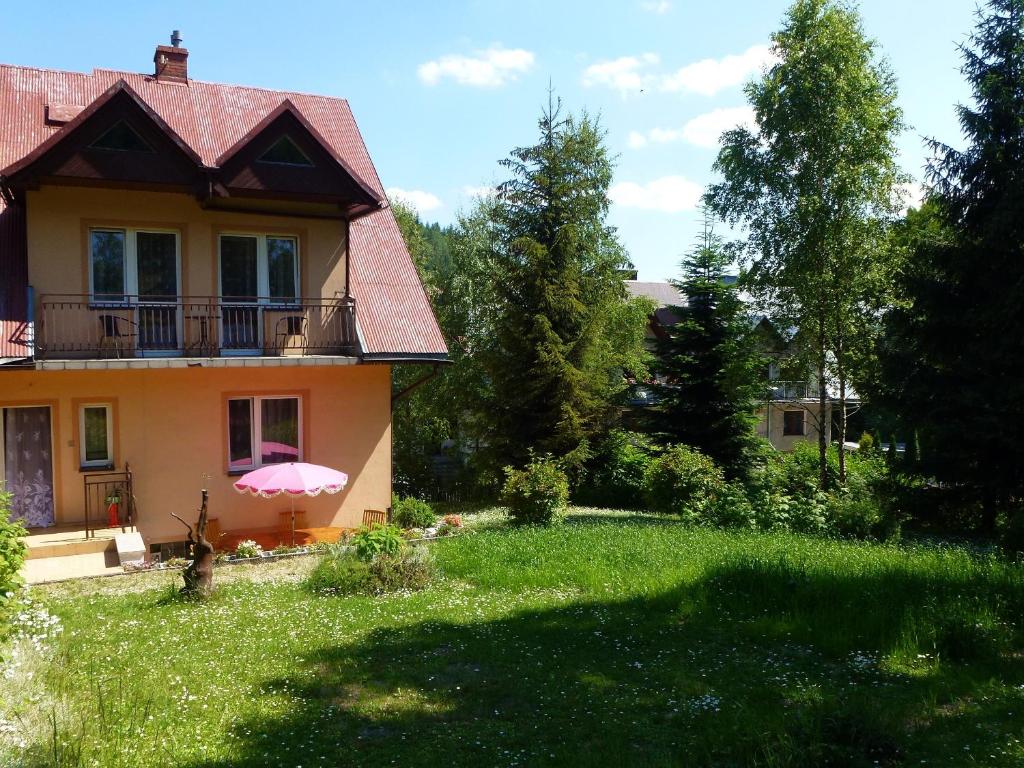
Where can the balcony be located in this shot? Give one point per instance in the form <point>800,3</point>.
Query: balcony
<point>76,327</point>
<point>792,390</point>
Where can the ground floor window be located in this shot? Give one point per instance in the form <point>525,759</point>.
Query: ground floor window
<point>264,430</point>
<point>793,422</point>
<point>96,435</point>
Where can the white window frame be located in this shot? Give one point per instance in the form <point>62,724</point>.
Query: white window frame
<point>131,259</point>
<point>96,463</point>
<point>262,264</point>
<point>256,428</point>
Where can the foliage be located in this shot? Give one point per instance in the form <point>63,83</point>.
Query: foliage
<point>556,357</point>
<point>614,476</point>
<point>710,363</point>
<point>412,513</point>
<point>344,572</point>
<point>813,184</point>
<point>248,548</point>
<point>536,493</point>
<point>12,553</point>
<point>372,541</point>
<point>954,342</point>
<point>681,481</point>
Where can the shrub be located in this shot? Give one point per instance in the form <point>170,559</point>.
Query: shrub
<point>449,525</point>
<point>248,548</point>
<point>377,540</point>
<point>681,481</point>
<point>729,508</point>
<point>343,572</point>
<point>412,513</point>
<point>615,475</point>
<point>535,493</point>
<point>12,552</point>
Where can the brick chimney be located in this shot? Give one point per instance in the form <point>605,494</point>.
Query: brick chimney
<point>171,61</point>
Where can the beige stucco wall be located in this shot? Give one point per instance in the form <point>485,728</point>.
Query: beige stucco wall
<point>58,219</point>
<point>171,427</point>
<point>770,425</point>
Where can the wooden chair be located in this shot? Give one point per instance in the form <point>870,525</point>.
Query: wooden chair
<point>374,517</point>
<point>213,532</point>
<point>285,520</point>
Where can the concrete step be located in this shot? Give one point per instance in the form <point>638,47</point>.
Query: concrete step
<point>68,541</point>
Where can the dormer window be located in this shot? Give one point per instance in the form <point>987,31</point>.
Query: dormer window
<point>284,151</point>
<point>121,137</point>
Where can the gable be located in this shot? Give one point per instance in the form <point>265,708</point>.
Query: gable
<point>283,157</point>
<point>114,142</point>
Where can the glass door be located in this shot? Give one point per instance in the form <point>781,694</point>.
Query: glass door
<point>156,255</point>
<point>241,330</point>
<point>26,463</point>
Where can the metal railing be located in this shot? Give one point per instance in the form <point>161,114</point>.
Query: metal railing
<point>109,500</point>
<point>792,390</point>
<point>126,326</point>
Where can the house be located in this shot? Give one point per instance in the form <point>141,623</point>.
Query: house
<point>790,411</point>
<point>198,279</point>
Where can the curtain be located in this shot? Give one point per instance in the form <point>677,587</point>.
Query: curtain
<point>28,467</point>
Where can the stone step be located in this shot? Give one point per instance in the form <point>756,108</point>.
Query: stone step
<point>67,541</point>
<point>45,569</point>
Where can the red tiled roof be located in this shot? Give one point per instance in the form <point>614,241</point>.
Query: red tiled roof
<point>394,314</point>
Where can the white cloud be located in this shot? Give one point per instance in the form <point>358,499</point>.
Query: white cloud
<point>702,131</point>
<point>659,7</point>
<point>416,198</point>
<point>471,191</point>
<point>709,76</point>
<point>669,194</point>
<point>489,68</point>
<point>625,74</point>
<point>909,195</point>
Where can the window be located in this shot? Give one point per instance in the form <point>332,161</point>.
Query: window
<point>96,435</point>
<point>121,137</point>
<point>129,262</point>
<point>793,422</point>
<point>254,266</point>
<point>284,151</point>
<point>263,430</point>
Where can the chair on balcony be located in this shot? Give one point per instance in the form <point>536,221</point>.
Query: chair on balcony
<point>118,332</point>
<point>288,328</point>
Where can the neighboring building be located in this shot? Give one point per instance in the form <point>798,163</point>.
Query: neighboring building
<point>790,412</point>
<point>198,279</point>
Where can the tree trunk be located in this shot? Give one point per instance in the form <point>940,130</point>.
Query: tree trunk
<point>841,371</point>
<point>822,409</point>
<point>199,574</point>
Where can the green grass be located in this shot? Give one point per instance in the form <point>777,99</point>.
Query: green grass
<point>612,639</point>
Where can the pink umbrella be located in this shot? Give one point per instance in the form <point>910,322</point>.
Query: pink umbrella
<point>293,478</point>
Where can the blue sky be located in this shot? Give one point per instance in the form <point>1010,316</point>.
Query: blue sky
<point>444,90</point>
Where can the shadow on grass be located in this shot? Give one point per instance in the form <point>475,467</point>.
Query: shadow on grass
<point>699,675</point>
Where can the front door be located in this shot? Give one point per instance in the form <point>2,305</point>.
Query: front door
<point>157,265</point>
<point>27,456</point>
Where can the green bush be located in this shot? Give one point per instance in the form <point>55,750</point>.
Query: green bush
<point>614,477</point>
<point>248,548</point>
<point>12,552</point>
<point>341,571</point>
<point>412,513</point>
<point>681,482</point>
<point>729,508</point>
<point>535,493</point>
<point>370,542</point>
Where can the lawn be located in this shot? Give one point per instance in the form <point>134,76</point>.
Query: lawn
<point>607,640</point>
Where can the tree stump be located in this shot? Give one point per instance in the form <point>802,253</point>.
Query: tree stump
<point>199,574</point>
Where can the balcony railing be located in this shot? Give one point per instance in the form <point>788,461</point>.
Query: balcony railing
<point>123,326</point>
<point>791,390</point>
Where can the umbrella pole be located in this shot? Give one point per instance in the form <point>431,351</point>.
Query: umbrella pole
<point>293,518</point>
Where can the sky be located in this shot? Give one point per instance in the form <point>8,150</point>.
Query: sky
<point>442,91</point>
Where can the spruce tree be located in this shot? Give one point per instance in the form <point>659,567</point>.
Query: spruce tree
<point>709,362</point>
<point>556,263</point>
<point>952,355</point>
